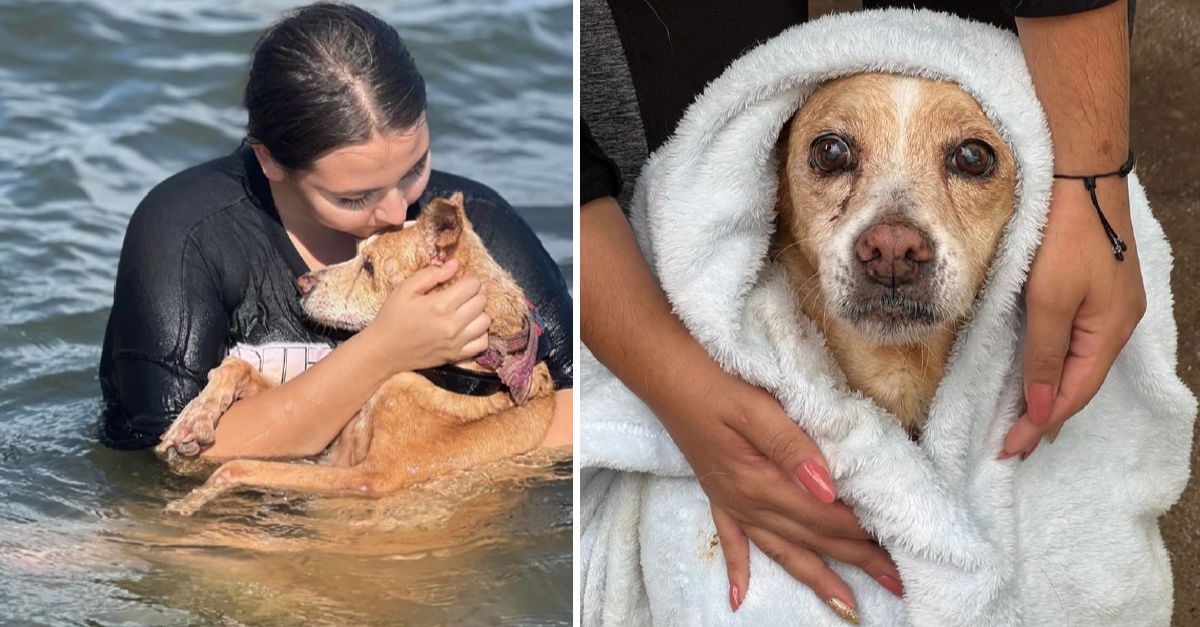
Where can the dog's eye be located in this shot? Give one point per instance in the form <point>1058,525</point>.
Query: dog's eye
<point>830,154</point>
<point>972,158</point>
<point>368,267</point>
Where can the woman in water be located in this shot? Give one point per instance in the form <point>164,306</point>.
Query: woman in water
<point>337,149</point>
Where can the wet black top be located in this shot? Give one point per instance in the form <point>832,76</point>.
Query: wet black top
<point>207,264</point>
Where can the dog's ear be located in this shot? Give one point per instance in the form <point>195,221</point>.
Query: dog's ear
<point>444,219</point>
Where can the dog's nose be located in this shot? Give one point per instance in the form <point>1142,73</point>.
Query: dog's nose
<point>306,283</point>
<point>892,253</point>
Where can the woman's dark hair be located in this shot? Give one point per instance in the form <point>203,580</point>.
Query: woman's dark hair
<point>328,75</point>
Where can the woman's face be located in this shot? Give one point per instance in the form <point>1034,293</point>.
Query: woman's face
<point>364,188</point>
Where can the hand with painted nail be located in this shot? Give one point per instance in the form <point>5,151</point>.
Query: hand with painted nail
<point>1082,305</point>
<point>768,484</point>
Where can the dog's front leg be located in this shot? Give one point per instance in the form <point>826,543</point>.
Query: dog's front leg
<point>248,473</point>
<point>196,425</point>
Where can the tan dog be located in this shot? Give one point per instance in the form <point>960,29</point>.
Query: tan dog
<point>410,429</point>
<point>893,193</point>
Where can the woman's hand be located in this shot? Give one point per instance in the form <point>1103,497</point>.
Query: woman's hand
<point>751,459</point>
<point>421,328</point>
<point>767,483</point>
<point>1083,306</point>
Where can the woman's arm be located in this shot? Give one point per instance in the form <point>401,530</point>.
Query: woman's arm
<point>1083,304</point>
<point>300,417</point>
<point>414,329</point>
<point>561,427</point>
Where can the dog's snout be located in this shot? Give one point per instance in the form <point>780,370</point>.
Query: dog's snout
<point>306,283</point>
<point>892,253</point>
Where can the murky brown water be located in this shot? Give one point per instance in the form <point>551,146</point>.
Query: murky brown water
<point>487,547</point>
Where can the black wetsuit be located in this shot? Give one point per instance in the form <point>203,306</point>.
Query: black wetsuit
<point>207,268</point>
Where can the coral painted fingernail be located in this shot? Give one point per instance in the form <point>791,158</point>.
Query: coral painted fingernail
<point>816,480</point>
<point>844,611</point>
<point>892,585</point>
<point>1026,454</point>
<point>1052,434</point>
<point>1041,401</point>
<point>735,598</point>
<point>1004,455</point>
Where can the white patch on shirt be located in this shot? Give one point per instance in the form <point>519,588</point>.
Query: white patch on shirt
<point>281,361</point>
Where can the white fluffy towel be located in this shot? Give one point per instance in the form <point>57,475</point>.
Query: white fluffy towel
<point>1068,537</point>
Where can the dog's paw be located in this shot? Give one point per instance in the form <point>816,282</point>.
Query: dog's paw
<point>175,445</point>
<point>185,506</point>
<point>194,429</point>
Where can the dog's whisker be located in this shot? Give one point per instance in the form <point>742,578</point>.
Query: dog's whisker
<point>783,250</point>
<point>813,291</point>
<point>806,282</point>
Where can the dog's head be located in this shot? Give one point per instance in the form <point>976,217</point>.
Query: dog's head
<point>894,191</point>
<point>349,294</point>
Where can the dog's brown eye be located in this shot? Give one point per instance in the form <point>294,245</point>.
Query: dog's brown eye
<point>972,158</point>
<point>830,154</point>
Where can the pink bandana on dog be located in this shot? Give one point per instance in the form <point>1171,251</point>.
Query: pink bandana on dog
<point>513,357</point>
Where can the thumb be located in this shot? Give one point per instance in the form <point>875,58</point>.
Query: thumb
<point>425,279</point>
<point>765,425</point>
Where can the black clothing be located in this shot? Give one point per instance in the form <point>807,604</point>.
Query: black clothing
<point>207,264</point>
<point>599,176</point>
<point>1051,8</point>
<point>675,47</point>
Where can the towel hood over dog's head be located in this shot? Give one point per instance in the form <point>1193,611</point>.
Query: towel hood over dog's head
<point>1070,532</point>
<point>708,241</point>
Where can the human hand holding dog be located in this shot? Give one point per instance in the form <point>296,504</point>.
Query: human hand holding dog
<point>767,481</point>
<point>750,458</point>
<point>1082,303</point>
<point>418,327</point>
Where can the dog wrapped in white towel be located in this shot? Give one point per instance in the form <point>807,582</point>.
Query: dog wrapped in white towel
<point>1068,537</point>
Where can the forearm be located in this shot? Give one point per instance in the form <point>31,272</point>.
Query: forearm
<point>626,320</point>
<point>303,415</point>
<point>1080,69</point>
<point>560,431</point>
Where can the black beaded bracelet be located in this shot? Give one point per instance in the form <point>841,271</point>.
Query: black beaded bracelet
<point>1089,181</point>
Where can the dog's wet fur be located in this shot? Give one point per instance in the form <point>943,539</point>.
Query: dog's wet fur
<point>410,430</point>
<point>893,195</point>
